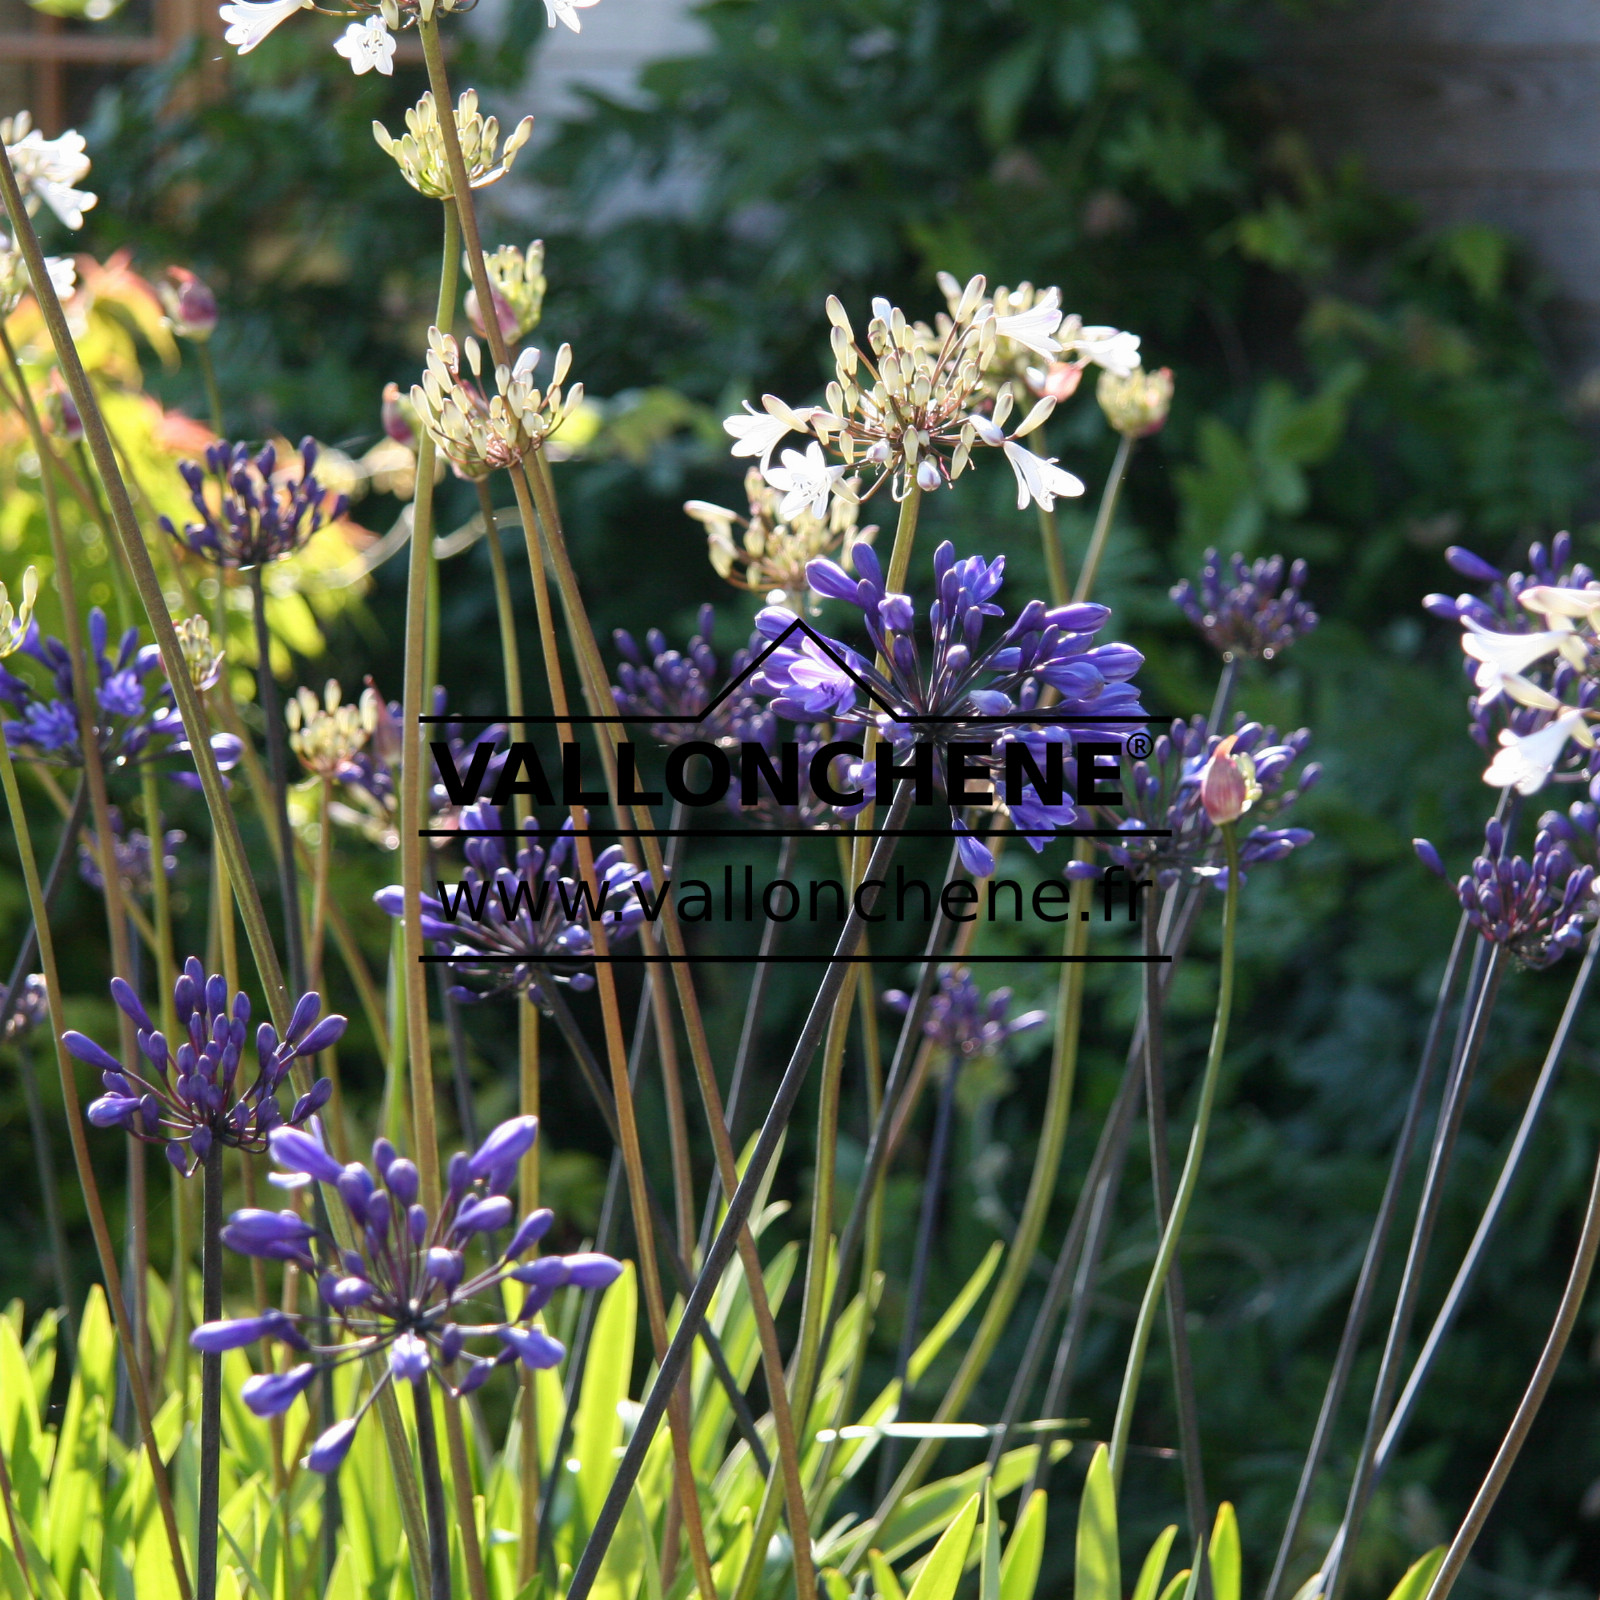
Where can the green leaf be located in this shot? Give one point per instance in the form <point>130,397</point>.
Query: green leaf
<point>1155,1564</point>
<point>1226,1561</point>
<point>923,1356</point>
<point>1099,1567</point>
<point>941,1572</point>
<point>1019,1568</point>
<point>883,1578</point>
<point>1005,89</point>
<point>989,1560</point>
<point>1176,1587</point>
<point>926,1510</point>
<point>597,1429</point>
<point>1419,1576</point>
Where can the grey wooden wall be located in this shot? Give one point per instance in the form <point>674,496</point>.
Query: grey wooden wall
<point>1480,110</point>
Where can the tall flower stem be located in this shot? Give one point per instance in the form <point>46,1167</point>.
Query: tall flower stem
<point>432,1493</point>
<point>94,778</point>
<point>1055,565</point>
<point>208,376</point>
<point>1481,999</point>
<point>1103,519</point>
<point>1555,1346</point>
<point>75,1129</point>
<point>210,1375</point>
<point>740,1202</point>
<point>54,878</point>
<point>278,775</point>
<point>148,584</point>
<point>1372,1261</point>
<point>1189,1181</point>
<point>39,1127</point>
<point>1155,1094</point>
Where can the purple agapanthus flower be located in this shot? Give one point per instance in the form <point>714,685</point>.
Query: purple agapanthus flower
<point>191,1098</point>
<point>679,685</point>
<point>406,1291</point>
<point>1536,907</point>
<point>1246,608</point>
<point>1162,792</point>
<point>131,848</point>
<point>964,1021</point>
<point>136,721</point>
<point>514,925</point>
<point>28,1010</point>
<point>1043,682</point>
<point>252,520</point>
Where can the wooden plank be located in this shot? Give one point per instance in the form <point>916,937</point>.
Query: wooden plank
<point>89,49</point>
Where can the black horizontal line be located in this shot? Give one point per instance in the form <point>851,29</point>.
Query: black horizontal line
<point>787,961</point>
<point>794,833</point>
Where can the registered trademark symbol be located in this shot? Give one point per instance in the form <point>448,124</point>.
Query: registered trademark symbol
<point>1139,745</point>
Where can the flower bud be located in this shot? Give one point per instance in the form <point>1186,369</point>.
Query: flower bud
<point>399,416</point>
<point>1137,405</point>
<point>190,305</point>
<point>1224,791</point>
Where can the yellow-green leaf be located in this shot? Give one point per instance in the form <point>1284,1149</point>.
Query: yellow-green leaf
<point>1019,1567</point>
<point>1226,1561</point>
<point>1419,1576</point>
<point>1099,1567</point>
<point>941,1572</point>
<point>1155,1564</point>
<point>883,1578</point>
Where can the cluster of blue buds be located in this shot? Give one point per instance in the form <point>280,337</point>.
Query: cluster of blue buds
<point>964,1021</point>
<point>253,520</point>
<point>679,685</point>
<point>404,1290</point>
<point>1535,908</point>
<point>1042,682</point>
<point>130,848</point>
<point>516,925</point>
<point>28,1010</point>
<point>190,1099</point>
<point>1163,820</point>
<point>134,721</point>
<point>1247,609</point>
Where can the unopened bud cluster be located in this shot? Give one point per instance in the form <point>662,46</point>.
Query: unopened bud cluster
<point>477,434</point>
<point>1136,403</point>
<point>517,286</point>
<point>328,735</point>
<point>201,656</point>
<point>420,154</point>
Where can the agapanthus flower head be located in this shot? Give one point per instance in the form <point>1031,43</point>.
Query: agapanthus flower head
<point>517,923</point>
<point>426,1292</point>
<point>201,656</point>
<point>420,154</point>
<point>1042,682</point>
<point>14,279</point>
<point>133,854</point>
<point>1535,907</point>
<point>963,1020</point>
<point>908,409</point>
<point>16,620</point>
<point>768,553</point>
<point>477,434</point>
<point>326,734</point>
<point>1136,403</point>
<point>48,170</point>
<point>517,282</point>
<point>30,1008</point>
<point>1163,820</point>
<point>248,512</point>
<point>194,1097</point>
<point>190,305</point>
<point>679,685</point>
<point>135,721</point>
<point>1247,609</point>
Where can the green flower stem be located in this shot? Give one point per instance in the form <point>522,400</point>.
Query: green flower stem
<point>39,1127</point>
<point>432,1490</point>
<point>208,376</point>
<point>1103,519</point>
<point>1189,1181</point>
<point>1030,1225</point>
<point>100,810</point>
<point>210,1376</point>
<point>149,587</point>
<point>75,1125</point>
<point>1533,1398</point>
<point>1055,565</point>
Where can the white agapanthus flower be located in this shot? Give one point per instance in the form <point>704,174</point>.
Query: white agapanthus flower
<point>757,434</point>
<point>806,482</point>
<point>1039,479</point>
<point>368,46</point>
<point>1034,329</point>
<point>1504,658</point>
<point>1110,348</point>
<point>250,21</point>
<point>48,170</point>
<point>567,11</point>
<point>1558,604</point>
<point>1525,761</point>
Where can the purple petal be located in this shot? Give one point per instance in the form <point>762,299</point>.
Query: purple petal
<point>296,1151</point>
<point>508,1143</point>
<point>270,1394</point>
<point>332,1446</point>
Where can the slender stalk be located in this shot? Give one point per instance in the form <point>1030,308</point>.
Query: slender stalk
<point>210,1376</point>
<point>432,1494</point>
<point>456,1036</point>
<point>52,885</point>
<point>1155,1093</point>
<point>1055,565</point>
<point>1532,1399</point>
<point>1367,1280</point>
<point>1336,1565</point>
<point>1445,1320</point>
<point>1104,518</point>
<point>321,869</point>
<point>466,1504</point>
<point>1190,1178</point>
<point>278,773</point>
<point>671,1366</point>
<point>39,1127</point>
<point>80,1146</point>
<point>208,375</point>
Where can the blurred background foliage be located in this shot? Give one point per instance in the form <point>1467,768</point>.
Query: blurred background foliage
<point>1351,388</point>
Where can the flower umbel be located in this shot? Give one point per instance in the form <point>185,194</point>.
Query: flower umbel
<point>48,169</point>
<point>131,849</point>
<point>15,621</point>
<point>517,282</point>
<point>15,282</point>
<point>328,735</point>
<point>191,1098</point>
<point>1247,609</point>
<point>249,513</point>
<point>407,1290</point>
<point>31,1007</point>
<point>419,151</point>
<point>963,1020</point>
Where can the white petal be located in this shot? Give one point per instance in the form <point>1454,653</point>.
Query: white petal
<point>367,45</point>
<point>250,21</point>
<point>1032,329</point>
<point>1525,761</point>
